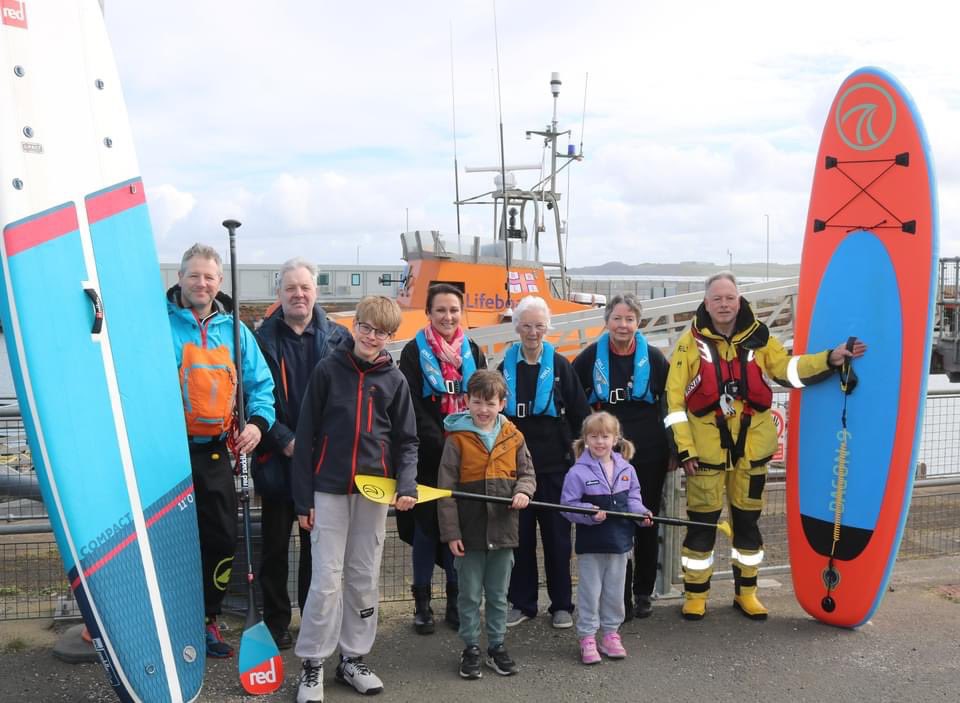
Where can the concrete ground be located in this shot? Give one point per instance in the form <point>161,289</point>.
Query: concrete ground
<point>909,652</point>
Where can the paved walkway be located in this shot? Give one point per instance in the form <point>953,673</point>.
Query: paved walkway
<point>910,652</point>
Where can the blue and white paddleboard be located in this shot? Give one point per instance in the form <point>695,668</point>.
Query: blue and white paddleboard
<point>90,349</point>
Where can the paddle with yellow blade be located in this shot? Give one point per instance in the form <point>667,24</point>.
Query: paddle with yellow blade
<point>383,490</point>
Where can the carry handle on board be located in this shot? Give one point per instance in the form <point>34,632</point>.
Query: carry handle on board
<point>97,308</point>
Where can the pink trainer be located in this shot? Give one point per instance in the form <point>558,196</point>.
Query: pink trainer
<point>612,646</point>
<point>588,650</point>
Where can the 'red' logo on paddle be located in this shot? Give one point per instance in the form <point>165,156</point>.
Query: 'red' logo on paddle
<point>14,13</point>
<point>264,678</point>
<point>865,116</point>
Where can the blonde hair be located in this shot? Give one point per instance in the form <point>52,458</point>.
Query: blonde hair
<point>604,421</point>
<point>204,252</point>
<point>379,311</point>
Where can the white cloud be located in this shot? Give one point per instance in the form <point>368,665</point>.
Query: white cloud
<point>328,126</point>
<point>167,207</point>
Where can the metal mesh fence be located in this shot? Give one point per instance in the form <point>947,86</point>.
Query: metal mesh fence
<point>32,582</point>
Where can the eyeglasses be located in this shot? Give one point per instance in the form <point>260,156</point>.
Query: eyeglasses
<point>539,329</point>
<point>366,329</point>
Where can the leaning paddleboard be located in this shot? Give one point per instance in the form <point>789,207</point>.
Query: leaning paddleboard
<point>90,349</point>
<point>867,270</point>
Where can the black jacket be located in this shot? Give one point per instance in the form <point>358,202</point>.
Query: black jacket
<point>356,418</point>
<point>431,434</point>
<point>271,468</point>
<point>642,422</point>
<point>549,438</point>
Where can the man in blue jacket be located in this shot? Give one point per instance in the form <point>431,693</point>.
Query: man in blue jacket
<point>201,320</point>
<point>293,339</point>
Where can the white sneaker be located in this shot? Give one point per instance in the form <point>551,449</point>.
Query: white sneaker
<point>354,672</point>
<point>310,689</point>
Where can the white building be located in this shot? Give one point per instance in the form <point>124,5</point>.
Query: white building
<point>336,283</point>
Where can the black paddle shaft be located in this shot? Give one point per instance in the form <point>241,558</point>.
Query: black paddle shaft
<point>581,511</point>
<point>252,616</point>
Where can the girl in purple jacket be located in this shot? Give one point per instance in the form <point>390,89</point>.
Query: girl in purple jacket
<point>602,478</point>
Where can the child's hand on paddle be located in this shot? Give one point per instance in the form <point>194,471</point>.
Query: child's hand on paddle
<point>456,547</point>
<point>600,516</point>
<point>520,501</point>
<point>647,522</point>
<point>404,503</point>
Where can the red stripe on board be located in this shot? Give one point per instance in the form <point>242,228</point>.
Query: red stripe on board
<point>42,228</point>
<point>102,561</point>
<point>169,506</point>
<point>110,202</point>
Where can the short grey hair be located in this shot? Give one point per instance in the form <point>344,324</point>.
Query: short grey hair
<point>297,262</point>
<point>533,303</point>
<point>204,251</point>
<point>720,276</point>
<point>628,299</point>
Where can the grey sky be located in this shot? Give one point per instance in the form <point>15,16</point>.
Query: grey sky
<point>321,124</point>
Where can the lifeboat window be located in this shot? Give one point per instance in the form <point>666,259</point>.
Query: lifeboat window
<point>354,279</point>
<point>456,284</point>
<point>323,279</point>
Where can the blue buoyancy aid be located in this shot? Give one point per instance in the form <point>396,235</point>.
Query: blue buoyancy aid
<point>639,386</point>
<point>433,381</point>
<point>543,401</point>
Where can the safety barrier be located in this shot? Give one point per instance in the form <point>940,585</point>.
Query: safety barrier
<point>32,582</point>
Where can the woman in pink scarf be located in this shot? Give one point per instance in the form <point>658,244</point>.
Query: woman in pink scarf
<point>437,363</point>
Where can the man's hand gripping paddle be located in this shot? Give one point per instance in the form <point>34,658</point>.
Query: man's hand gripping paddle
<point>382,490</point>
<point>261,667</point>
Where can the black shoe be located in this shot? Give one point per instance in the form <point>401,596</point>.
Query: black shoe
<point>282,638</point>
<point>422,612</point>
<point>644,607</point>
<point>500,661</point>
<point>470,663</point>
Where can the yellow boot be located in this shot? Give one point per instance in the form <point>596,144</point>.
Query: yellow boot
<point>694,606</point>
<point>746,602</point>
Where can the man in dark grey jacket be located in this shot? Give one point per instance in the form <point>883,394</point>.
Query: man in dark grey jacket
<point>293,338</point>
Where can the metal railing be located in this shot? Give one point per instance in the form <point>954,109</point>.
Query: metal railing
<point>33,585</point>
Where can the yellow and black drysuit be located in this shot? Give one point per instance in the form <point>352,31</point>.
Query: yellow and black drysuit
<point>718,407</point>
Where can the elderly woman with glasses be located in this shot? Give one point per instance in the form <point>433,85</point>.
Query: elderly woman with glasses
<point>547,404</point>
<point>623,375</point>
<point>437,363</point>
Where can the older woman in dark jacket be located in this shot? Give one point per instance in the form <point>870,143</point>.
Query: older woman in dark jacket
<point>625,376</point>
<point>546,403</point>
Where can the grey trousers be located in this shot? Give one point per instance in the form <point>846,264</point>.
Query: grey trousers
<point>600,592</point>
<point>342,604</point>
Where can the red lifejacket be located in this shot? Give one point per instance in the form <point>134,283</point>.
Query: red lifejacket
<point>742,377</point>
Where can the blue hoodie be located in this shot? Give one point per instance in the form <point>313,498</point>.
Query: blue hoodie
<point>585,486</point>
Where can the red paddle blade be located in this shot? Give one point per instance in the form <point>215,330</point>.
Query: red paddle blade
<point>261,667</point>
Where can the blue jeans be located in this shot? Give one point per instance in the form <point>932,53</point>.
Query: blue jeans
<point>425,557</point>
<point>484,576</point>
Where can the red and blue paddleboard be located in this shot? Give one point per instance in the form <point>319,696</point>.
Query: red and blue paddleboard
<point>868,271</point>
<point>90,349</point>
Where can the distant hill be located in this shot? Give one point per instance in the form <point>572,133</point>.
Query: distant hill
<point>685,268</point>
